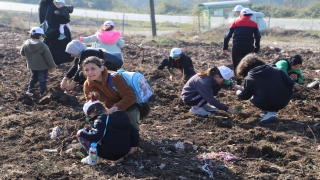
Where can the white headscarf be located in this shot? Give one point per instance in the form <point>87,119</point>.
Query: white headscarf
<point>88,104</point>
<point>75,47</point>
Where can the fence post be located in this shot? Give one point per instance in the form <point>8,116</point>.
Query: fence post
<point>30,17</point>
<point>153,18</point>
<point>199,24</point>
<point>123,24</point>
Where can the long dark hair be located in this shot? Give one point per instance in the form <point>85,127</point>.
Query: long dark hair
<point>210,72</point>
<point>97,108</point>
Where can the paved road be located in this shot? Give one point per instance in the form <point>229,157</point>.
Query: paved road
<point>301,24</point>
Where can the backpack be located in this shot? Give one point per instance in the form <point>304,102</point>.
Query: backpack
<point>137,82</point>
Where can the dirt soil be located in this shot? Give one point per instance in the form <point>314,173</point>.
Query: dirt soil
<point>173,141</point>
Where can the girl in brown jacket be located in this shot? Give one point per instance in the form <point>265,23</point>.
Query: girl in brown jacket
<point>122,99</point>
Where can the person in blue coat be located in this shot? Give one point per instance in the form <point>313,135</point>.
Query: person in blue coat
<point>268,88</point>
<point>116,135</point>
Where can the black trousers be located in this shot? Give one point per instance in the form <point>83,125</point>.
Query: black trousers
<point>239,51</point>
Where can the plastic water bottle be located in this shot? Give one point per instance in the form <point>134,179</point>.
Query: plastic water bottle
<point>93,153</point>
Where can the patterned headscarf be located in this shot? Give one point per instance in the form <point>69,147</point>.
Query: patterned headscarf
<point>75,47</point>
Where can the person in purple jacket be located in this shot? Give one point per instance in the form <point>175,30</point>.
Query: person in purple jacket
<point>202,87</point>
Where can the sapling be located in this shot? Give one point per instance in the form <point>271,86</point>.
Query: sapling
<point>239,108</point>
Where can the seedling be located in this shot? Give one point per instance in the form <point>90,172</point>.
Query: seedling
<point>80,154</point>
<point>239,108</point>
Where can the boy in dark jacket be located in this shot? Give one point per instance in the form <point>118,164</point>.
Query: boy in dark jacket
<point>115,134</point>
<point>64,13</point>
<point>268,88</point>
<point>246,38</point>
<point>178,60</point>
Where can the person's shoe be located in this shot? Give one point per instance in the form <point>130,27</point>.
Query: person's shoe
<point>28,93</point>
<point>209,108</point>
<point>62,36</point>
<point>263,114</point>
<point>199,111</point>
<point>86,160</point>
<point>269,117</point>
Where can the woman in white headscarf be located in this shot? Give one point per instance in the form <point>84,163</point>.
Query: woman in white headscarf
<point>80,52</point>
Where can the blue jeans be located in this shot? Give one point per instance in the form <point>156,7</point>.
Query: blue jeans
<point>38,76</point>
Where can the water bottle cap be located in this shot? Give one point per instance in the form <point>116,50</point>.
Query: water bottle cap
<point>93,144</point>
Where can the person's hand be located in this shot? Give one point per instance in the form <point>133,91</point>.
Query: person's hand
<point>54,69</point>
<point>133,150</point>
<point>110,111</point>
<point>232,111</point>
<point>294,77</point>
<point>225,51</point>
<point>178,77</point>
<point>237,87</point>
<point>71,86</point>
<point>64,84</point>
<point>78,133</point>
<point>238,92</point>
<point>56,12</point>
<point>297,87</point>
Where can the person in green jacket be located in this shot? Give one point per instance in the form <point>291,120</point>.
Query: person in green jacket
<point>39,60</point>
<point>292,67</point>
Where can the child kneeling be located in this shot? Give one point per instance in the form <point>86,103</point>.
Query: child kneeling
<point>117,138</point>
<point>268,88</point>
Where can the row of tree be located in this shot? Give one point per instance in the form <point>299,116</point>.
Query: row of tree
<point>290,8</point>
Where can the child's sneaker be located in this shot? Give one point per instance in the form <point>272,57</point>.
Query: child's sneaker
<point>86,160</point>
<point>209,108</point>
<point>269,117</point>
<point>199,111</point>
<point>62,36</point>
<point>263,114</point>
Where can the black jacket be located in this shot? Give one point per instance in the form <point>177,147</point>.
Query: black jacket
<point>57,47</point>
<point>76,70</point>
<point>270,88</point>
<point>184,63</point>
<point>64,13</point>
<point>120,135</point>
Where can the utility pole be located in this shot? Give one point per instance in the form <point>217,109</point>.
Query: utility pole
<point>153,19</point>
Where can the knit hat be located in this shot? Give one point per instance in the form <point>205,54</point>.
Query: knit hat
<point>226,72</point>
<point>294,60</point>
<point>246,11</point>
<point>36,30</point>
<point>175,52</point>
<point>88,104</point>
<point>59,1</point>
<point>111,23</point>
<point>75,47</point>
<point>238,8</point>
